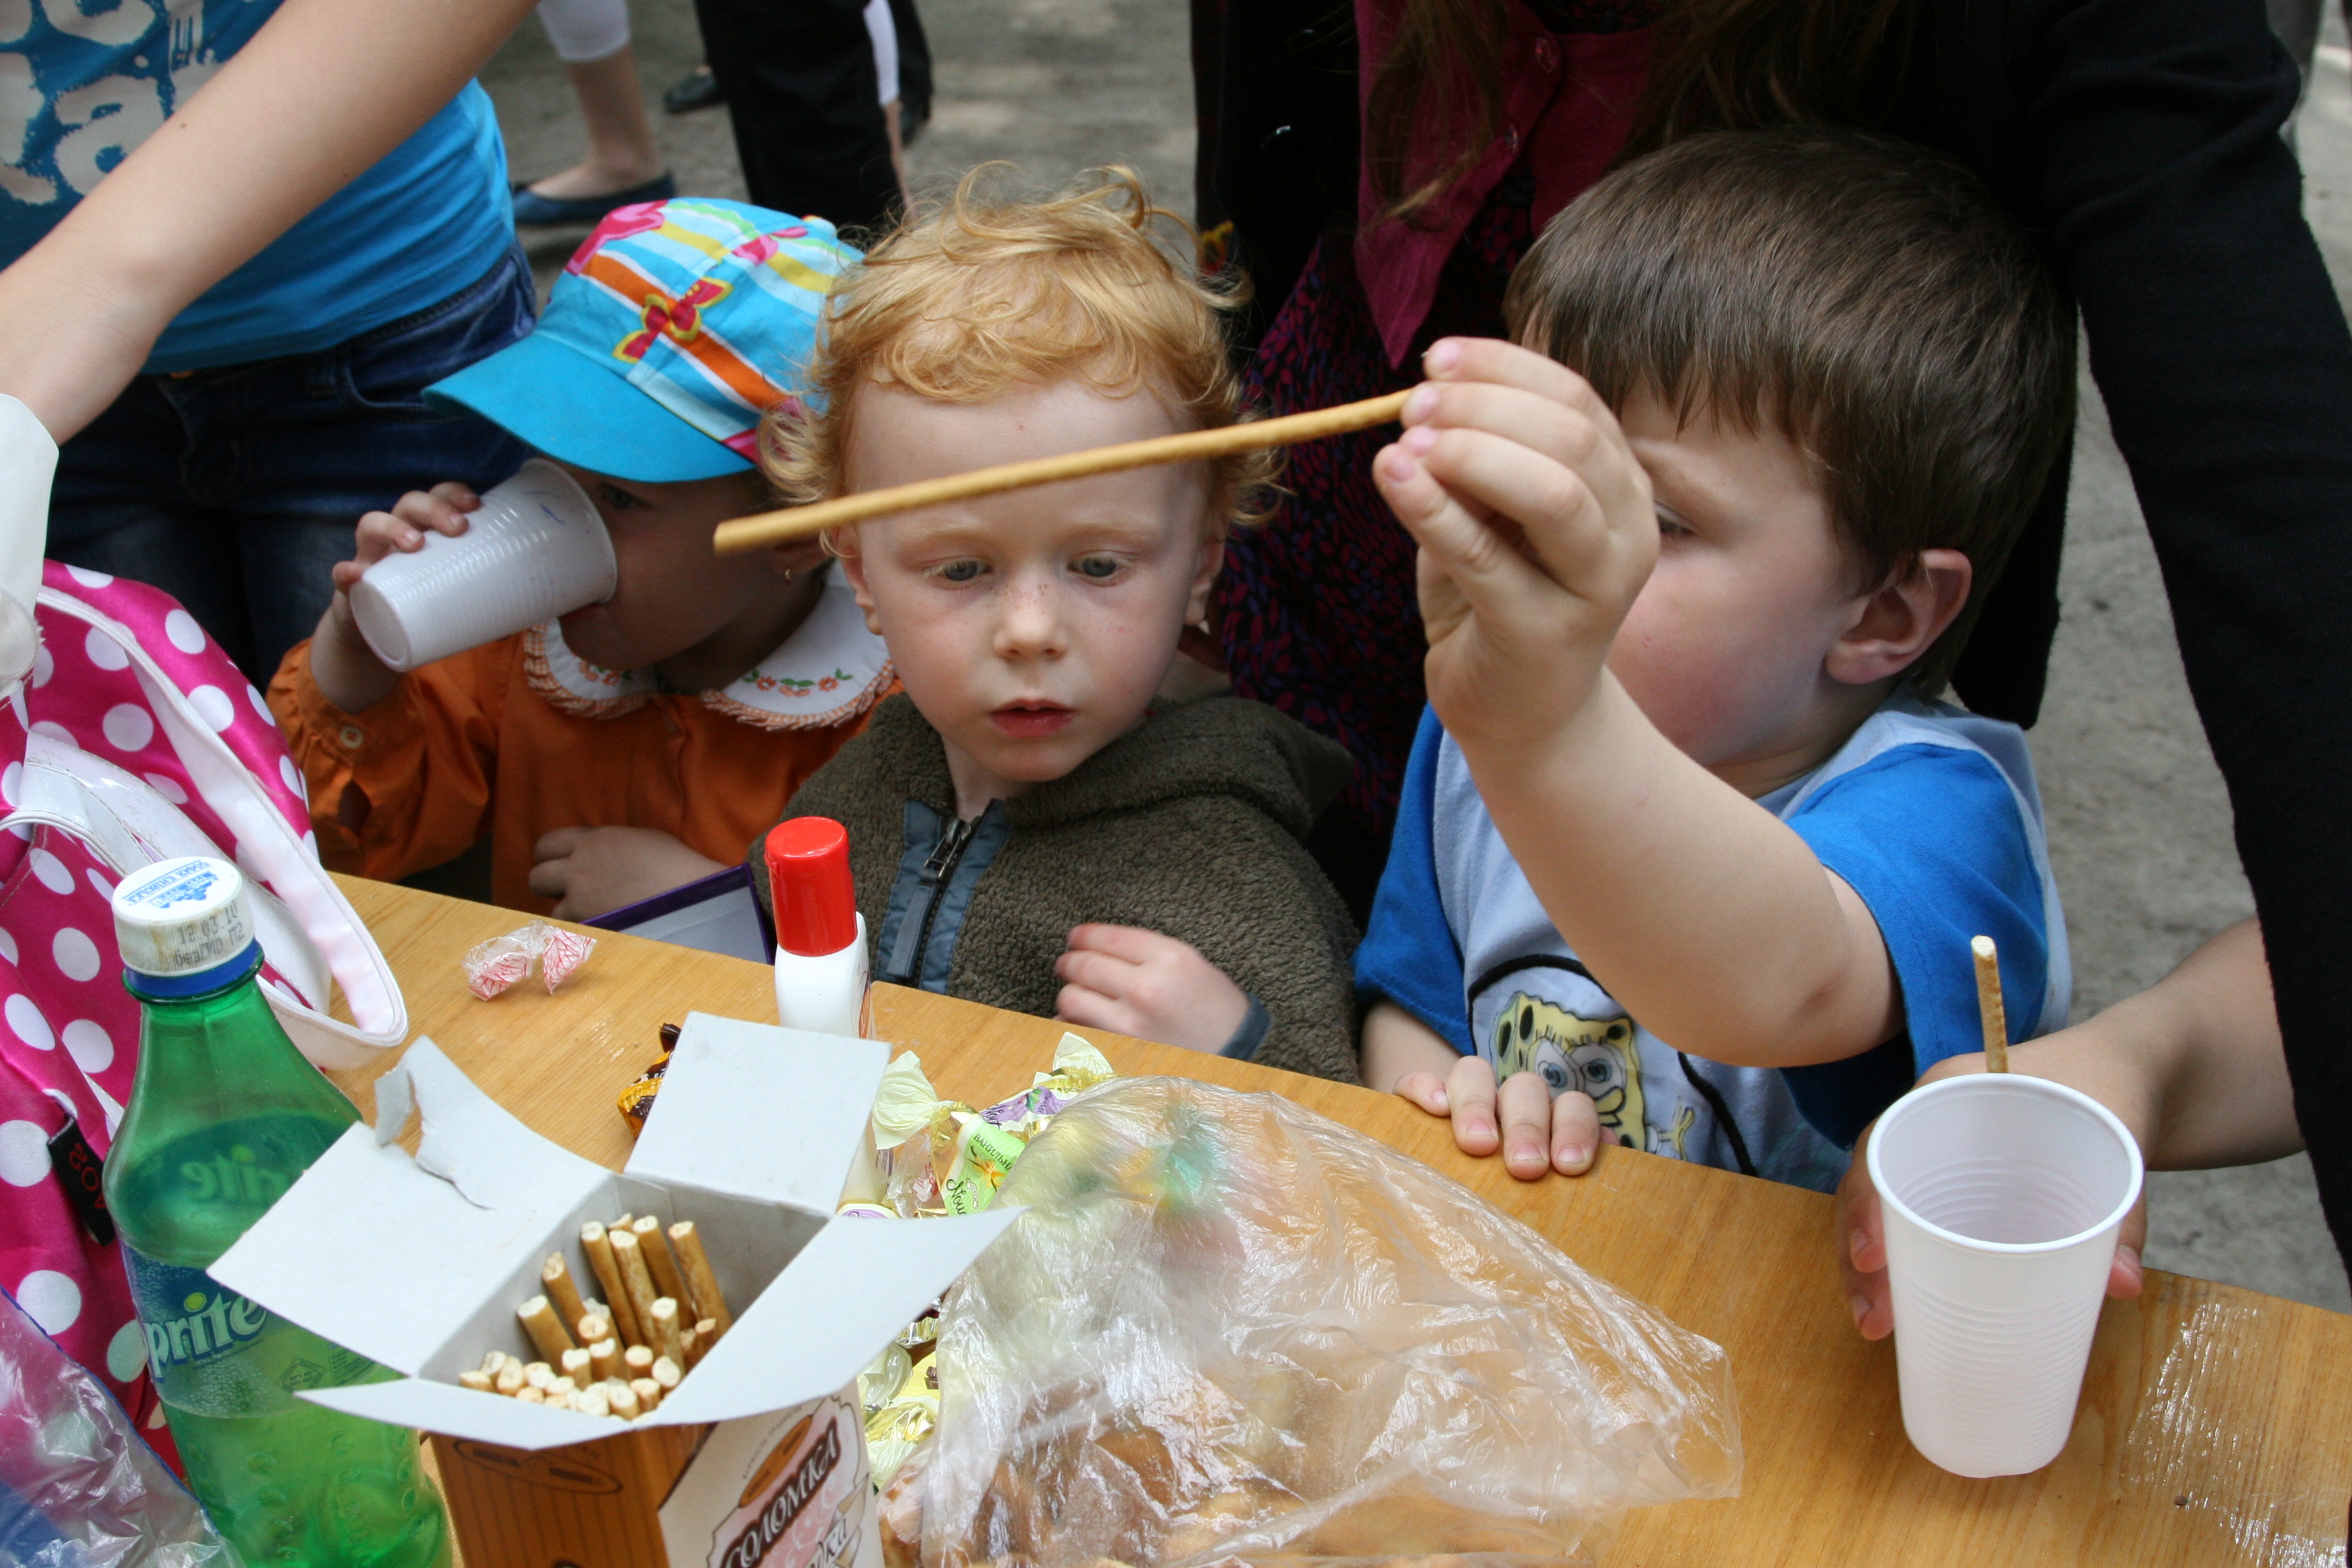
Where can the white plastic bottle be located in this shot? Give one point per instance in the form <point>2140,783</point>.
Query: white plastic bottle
<point>820,935</point>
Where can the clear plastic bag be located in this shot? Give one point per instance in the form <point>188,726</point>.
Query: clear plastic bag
<point>1229,1329</point>
<point>77,1487</point>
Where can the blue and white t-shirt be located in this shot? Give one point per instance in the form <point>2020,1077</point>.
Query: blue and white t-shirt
<point>1929,813</point>
<point>84,82</point>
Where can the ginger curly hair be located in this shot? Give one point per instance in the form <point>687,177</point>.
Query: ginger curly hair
<point>988,291</point>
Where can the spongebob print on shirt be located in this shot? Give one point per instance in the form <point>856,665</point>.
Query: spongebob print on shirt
<point>1543,1013</point>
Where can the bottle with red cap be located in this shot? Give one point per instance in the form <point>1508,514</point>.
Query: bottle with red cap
<point>820,935</point>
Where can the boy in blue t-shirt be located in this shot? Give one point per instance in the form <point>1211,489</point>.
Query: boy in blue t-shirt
<point>1688,856</point>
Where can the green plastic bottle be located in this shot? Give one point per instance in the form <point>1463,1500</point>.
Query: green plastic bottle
<point>225,1116</point>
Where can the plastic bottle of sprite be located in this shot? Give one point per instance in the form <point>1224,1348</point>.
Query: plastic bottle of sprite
<point>226,1115</point>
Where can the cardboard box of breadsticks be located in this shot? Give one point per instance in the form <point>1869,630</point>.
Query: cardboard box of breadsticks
<point>654,1366</point>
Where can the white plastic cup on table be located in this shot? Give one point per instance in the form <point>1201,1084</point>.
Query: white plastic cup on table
<point>535,549</point>
<point>2002,1197</point>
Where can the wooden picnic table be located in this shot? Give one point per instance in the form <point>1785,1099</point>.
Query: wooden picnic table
<point>2216,1423</point>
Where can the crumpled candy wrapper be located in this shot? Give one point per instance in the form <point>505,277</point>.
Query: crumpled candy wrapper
<point>505,961</point>
<point>912,1125</point>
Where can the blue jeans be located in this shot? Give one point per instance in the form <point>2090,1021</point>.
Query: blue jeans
<point>235,490</point>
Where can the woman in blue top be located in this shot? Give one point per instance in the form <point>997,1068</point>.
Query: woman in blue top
<point>273,372</point>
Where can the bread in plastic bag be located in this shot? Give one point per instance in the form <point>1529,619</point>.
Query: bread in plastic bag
<point>1231,1328</point>
<point>78,1487</point>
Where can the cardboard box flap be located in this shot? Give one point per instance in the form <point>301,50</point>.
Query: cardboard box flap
<point>831,1311</point>
<point>430,1406</point>
<point>759,1111</point>
<point>344,1252</point>
<point>469,1140</point>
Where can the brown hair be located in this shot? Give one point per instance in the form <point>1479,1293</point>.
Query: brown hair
<point>1721,65</point>
<point>1857,294</point>
<point>1439,84</point>
<point>1737,65</point>
<point>964,301</point>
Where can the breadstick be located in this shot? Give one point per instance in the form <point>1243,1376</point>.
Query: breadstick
<point>798,522</point>
<point>1994,1015</point>
<point>648,1232</point>
<point>666,1373</point>
<point>597,1243</point>
<point>638,1360</point>
<point>493,1361</point>
<point>531,1396</point>
<point>707,1331</point>
<point>559,1389</point>
<point>648,1393</point>
<point>575,1366</point>
<point>556,1277</point>
<point>624,1402</point>
<point>636,1280</point>
<point>590,1402</point>
<point>480,1382</point>
<point>605,1357</point>
<point>690,1348</point>
<point>663,1316</point>
<point>593,1326</point>
<point>539,1375</point>
<point>546,1330</point>
<point>510,1379</point>
<point>700,1281</point>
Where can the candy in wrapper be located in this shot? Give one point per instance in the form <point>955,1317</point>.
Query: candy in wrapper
<point>880,1384</point>
<point>494,965</point>
<point>984,1154</point>
<point>636,1101</point>
<point>503,960</point>
<point>562,953</point>
<point>988,1142</point>
<point>909,1121</point>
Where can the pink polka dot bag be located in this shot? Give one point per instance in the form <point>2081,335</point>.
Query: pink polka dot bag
<point>127,737</point>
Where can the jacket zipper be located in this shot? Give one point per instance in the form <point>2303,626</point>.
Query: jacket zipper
<point>945,855</point>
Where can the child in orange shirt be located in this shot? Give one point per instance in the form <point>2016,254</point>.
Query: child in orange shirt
<point>633,745</point>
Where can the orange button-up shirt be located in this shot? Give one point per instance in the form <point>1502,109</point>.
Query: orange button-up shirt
<point>518,738</point>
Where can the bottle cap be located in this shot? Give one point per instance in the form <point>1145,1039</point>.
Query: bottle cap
<point>808,872</point>
<point>182,920</point>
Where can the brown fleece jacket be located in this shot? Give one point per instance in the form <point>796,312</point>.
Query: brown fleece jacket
<point>1192,825</point>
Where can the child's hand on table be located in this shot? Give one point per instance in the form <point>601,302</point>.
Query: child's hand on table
<point>1536,530</point>
<point>1538,1133</point>
<point>590,870</point>
<point>347,671</point>
<point>1135,982</point>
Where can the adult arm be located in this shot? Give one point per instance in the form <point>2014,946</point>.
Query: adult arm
<point>2220,346</point>
<point>322,92</point>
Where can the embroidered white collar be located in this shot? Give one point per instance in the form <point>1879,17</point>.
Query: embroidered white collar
<point>831,670</point>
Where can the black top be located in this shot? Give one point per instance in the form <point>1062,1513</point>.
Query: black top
<point>2140,140</point>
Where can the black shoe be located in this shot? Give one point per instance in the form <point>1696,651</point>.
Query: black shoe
<point>529,207</point>
<point>697,90</point>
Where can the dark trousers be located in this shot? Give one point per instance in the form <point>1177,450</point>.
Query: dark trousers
<point>235,490</point>
<point>798,81</point>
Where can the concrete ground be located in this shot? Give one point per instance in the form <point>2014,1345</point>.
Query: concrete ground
<point>2139,826</point>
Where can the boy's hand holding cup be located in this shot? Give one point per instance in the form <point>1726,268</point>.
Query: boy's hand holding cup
<point>2000,1200</point>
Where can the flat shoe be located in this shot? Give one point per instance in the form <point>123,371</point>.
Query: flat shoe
<point>529,207</point>
<point>697,90</point>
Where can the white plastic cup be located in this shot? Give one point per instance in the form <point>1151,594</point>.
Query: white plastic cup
<point>534,550</point>
<point>2001,1196</point>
